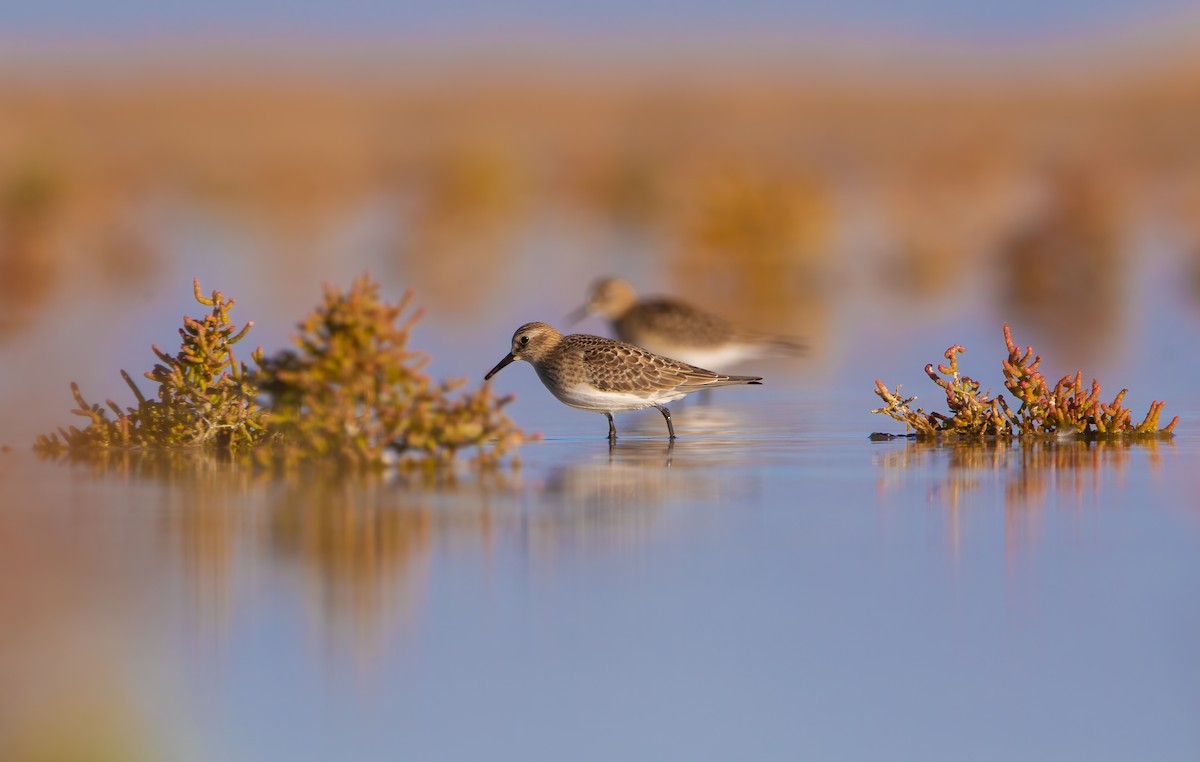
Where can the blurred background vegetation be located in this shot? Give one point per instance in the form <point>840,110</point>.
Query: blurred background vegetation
<point>756,172</point>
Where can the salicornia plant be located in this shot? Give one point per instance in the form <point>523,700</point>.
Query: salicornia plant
<point>1067,408</point>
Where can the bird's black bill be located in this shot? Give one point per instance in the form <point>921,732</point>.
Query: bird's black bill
<point>508,358</point>
<point>577,314</point>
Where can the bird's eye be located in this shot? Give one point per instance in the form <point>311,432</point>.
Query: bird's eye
<point>524,340</point>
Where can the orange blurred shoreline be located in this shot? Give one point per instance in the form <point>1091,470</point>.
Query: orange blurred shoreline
<point>751,170</point>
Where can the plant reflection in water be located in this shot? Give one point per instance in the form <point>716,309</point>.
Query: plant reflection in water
<point>1028,470</point>
<point>362,547</point>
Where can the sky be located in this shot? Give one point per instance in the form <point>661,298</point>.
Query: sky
<point>30,21</point>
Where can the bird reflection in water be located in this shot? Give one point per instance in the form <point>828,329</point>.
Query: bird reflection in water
<point>617,499</point>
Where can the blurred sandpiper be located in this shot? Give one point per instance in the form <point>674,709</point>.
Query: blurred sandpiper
<point>674,328</point>
<point>608,376</point>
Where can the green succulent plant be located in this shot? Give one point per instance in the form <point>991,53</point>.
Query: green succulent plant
<point>350,391</point>
<point>353,390</point>
<point>206,397</point>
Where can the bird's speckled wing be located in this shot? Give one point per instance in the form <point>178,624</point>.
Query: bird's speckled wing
<point>620,367</point>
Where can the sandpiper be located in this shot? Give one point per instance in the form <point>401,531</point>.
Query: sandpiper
<point>677,329</point>
<point>608,376</point>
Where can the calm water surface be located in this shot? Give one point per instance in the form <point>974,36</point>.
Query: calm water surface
<point>769,587</point>
<point>774,586</point>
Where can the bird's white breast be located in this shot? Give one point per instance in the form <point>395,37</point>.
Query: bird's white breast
<point>587,397</point>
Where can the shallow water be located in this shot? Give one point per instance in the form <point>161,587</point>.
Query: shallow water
<point>773,586</point>
<point>768,587</point>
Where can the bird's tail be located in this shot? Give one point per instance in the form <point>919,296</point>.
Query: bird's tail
<point>731,380</point>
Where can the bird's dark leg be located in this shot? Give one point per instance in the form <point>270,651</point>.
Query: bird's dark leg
<point>612,427</point>
<point>667,415</point>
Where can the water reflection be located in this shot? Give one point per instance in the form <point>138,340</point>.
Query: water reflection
<point>202,520</point>
<point>475,583</point>
<point>362,550</point>
<point>358,543</point>
<point>356,546</point>
<point>69,581</point>
<point>633,470</point>
<point>602,502</point>
<point>616,498</point>
<point>1028,474</point>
